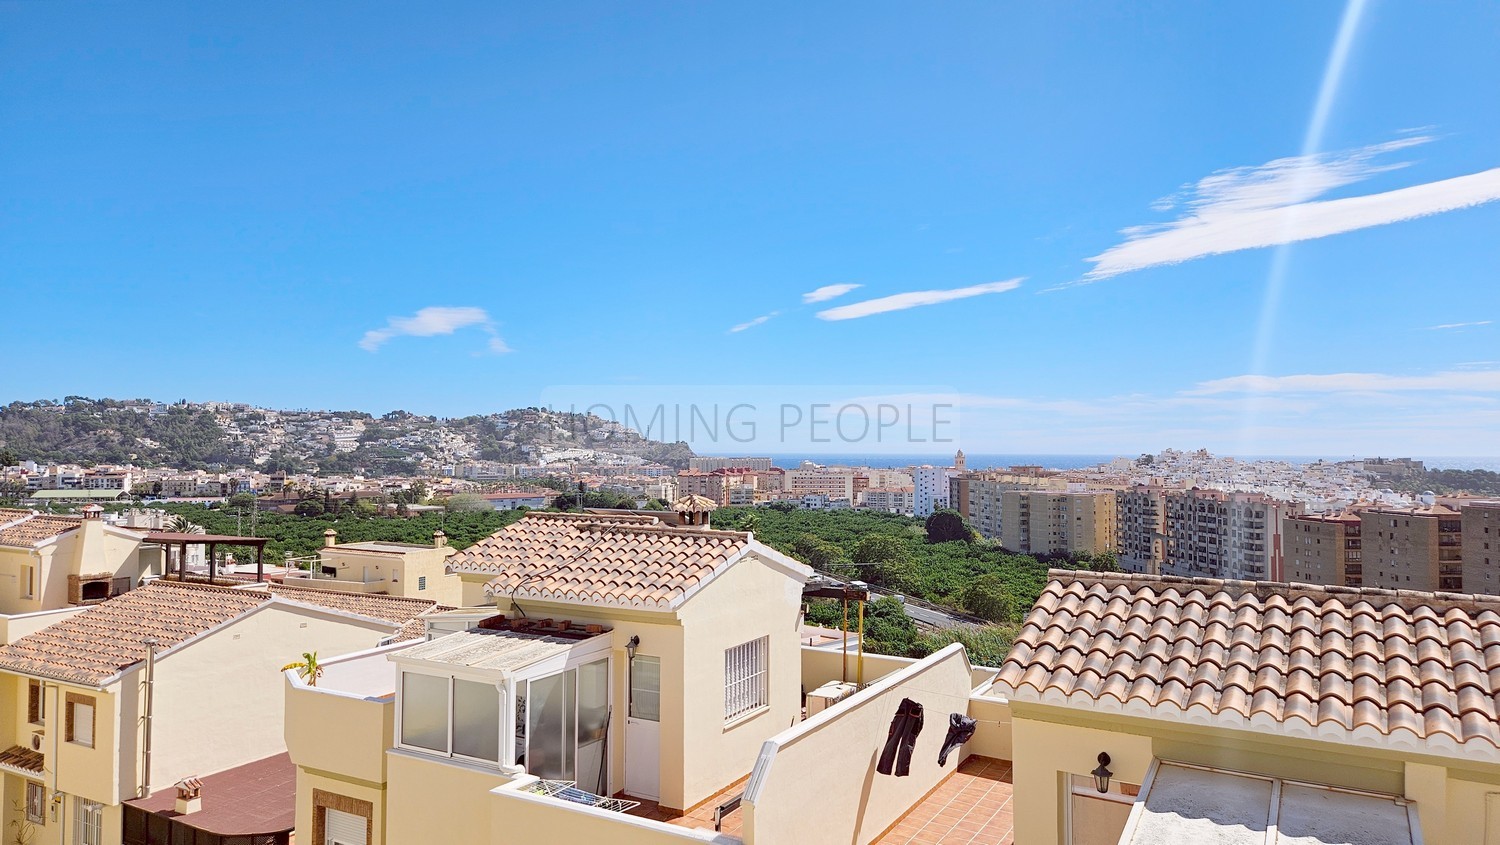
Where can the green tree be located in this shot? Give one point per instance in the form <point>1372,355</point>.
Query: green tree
<point>988,597</point>
<point>888,630</point>
<point>945,526</point>
<point>242,501</point>
<point>468,502</point>
<point>884,559</point>
<point>309,507</point>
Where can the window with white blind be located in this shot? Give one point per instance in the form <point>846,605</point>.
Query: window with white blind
<point>745,678</point>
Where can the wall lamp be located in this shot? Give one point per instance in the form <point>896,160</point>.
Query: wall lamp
<point>631,645</point>
<point>1102,774</point>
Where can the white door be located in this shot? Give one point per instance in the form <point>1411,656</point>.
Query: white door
<point>643,729</point>
<point>340,828</point>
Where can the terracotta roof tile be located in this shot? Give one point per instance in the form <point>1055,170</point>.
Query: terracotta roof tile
<point>588,558</point>
<point>38,527</point>
<point>395,609</point>
<point>23,759</point>
<point>94,645</point>
<point>1340,659</point>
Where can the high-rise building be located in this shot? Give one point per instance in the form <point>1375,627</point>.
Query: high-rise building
<point>833,483</point>
<point>1323,549</point>
<point>1140,520</point>
<point>976,495</point>
<point>930,489</point>
<point>1050,522</point>
<point>1213,534</point>
<point>1417,548</point>
<point>1481,546</point>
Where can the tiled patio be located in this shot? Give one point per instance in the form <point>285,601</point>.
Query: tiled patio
<point>701,816</point>
<point>972,807</point>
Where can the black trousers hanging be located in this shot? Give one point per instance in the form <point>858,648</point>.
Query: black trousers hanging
<point>896,756</point>
<point>960,729</point>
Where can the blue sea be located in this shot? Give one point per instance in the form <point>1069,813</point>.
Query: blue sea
<point>982,460</point>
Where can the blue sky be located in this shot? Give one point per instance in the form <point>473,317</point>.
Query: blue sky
<point>1062,219</point>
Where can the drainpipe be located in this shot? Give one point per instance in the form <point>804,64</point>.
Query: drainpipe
<point>150,643</point>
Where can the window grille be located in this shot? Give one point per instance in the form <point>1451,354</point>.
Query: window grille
<point>745,678</point>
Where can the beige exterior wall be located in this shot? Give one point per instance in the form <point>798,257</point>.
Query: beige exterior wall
<point>219,700</point>
<point>1052,742</point>
<point>13,628</point>
<point>717,619</point>
<point>420,573</point>
<point>817,781</point>
<point>309,780</point>
<point>445,801</point>
<point>819,666</point>
<point>92,549</point>
<point>1481,547</point>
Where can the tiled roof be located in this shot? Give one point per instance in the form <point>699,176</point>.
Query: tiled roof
<point>9,515</point>
<point>29,532</point>
<point>22,759</point>
<point>619,560</point>
<point>1354,664</point>
<point>93,646</point>
<point>394,609</point>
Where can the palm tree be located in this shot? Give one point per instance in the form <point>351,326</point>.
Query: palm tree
<point>181,525</point>
<point>308,667</point>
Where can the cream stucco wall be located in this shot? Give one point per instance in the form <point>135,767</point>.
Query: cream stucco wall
<point>92,549</point>
<point>339,734</point>
<point>443,800</point>
<point>309,780</point>
<point>397,574</point>
<point>220,700</point>
<point>1049,742</point>
<point>817,782</point>
<point>749,601</point>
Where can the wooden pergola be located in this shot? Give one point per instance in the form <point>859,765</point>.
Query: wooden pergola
<point>212,541</point>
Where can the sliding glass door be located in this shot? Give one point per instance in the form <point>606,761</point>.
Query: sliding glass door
<point>564,721</point>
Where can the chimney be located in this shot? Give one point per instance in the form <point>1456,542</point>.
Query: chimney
<point>439,538</point>
<point>330,538</point>
<point>92,512</point>
<point>188,800</point>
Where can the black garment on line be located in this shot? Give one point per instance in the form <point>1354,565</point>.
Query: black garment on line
<point>901,739</point>
<point>960,728</point>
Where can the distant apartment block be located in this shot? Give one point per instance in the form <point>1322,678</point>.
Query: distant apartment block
<point>1140,528</point>
<point>1324,549</point>
<point>930,489</point>
<point>709,464</point>
<point>1047,522</point>
<point>888,499</point>
<point>976,495</point>
<point>835,484</point>
<point>1418,548</point>
<point>1481,546</point>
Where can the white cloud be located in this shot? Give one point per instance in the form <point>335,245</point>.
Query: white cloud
<point>1251,207</point>
<point>432,321</point>
<point>1473,324</point>
<point>827,292</point>
<point>1483,381</point>
<point>913,299</point>
<point>750,324</point>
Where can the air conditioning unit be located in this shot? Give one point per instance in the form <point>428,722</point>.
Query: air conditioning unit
<point>37,737</point>
<point>828,695</point>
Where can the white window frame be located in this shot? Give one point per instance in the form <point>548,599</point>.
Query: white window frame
<point>88,822</point>
<point>746,679</point>
<point>36,802</point>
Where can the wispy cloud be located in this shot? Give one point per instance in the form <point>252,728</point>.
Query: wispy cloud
<point>432,321</point>
<point>750,324</point>
<point>1473,381</point>
<point>1271,204</point>
<point>913,299</point>
<point>1442,326</point>
<point>827,292</point>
